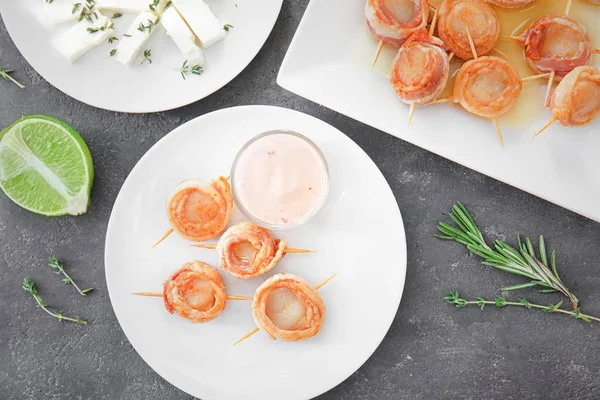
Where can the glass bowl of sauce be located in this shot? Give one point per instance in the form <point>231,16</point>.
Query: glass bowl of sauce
<point>280,179</point>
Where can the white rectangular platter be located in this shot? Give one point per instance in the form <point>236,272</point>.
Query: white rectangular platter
<point>328,63</point>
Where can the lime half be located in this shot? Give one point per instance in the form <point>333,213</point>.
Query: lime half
<point>45,166</point>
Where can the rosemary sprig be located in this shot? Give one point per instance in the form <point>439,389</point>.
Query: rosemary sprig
<point>500,302</point>
<point>147,55</point>
<point>58,269</point>
<point>227,27</point>
<point>29,287</point>
<point>190,69</point>
<point>76,7</point>
<point>522,261</point>
<point>5,74</point>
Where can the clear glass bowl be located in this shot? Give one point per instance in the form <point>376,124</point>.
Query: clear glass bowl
<point>258,220</point>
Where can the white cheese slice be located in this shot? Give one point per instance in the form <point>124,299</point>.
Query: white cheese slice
<point>200,18</point>
<point>124,6</point>
<point>84,36</point>
<point>61,11</point>
<point>136,37</point>
<point>183,37</point>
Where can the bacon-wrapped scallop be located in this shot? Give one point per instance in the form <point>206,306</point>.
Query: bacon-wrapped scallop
<point>420,70</point>
<point>247,250</point>
<point>392,21</point>
<point>287,307</point>
<point>455,17</point>
<point>556,44</point>
<point>576,99</point>
<point>488,86</point>
<point>200,210</point>
<point>195,292</point>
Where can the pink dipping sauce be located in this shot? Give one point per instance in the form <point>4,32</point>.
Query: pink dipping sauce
<point>280,178</point>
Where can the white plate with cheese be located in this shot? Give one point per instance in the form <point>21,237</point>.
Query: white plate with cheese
<point>139,72</point>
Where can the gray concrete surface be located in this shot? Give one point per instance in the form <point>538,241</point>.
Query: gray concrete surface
<point>432,351</point>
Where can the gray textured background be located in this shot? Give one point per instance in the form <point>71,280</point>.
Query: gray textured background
<point>432,349</point>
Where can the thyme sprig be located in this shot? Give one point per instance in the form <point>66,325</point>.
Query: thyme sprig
<point>141,27</point>
<point>190,69</point>
<point>58,269</point>
<point>29,287</point>
<point>5,74</point>
<point>147,55</point>
<point>522,261</point>
<point>501,302</point>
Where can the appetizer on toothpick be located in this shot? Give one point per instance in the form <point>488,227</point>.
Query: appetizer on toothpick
<point>420,70</point>
<point>457,19</point>
<point>555,45</point>
<point>199,210</point>
<point>487,86</point>
<point>576,99</point>
<point>195,292</point>
<point>286,307</point>
<point>392,21</point>
<point>247,250</point>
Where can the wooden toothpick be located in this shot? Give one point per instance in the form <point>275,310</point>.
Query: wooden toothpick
<point>471,43</point>
<point>286,250</point>
<point>377,52</point>
<point>411,112</point>
<point>534,77</point>
<point>549,89</point>
<point>546,125</point>
<point>159,294</point>
<point>498,131</point>
<point>166,235</point>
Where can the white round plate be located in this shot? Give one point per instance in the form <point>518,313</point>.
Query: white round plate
<point>98,80</point>
<point>359,234</point>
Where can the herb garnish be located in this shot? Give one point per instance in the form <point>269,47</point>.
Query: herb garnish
<point>58,269</point>
<point>101,28</point>
<point>147,55</point>
<point>190,69</point>
<point>29,287</point>
<point>112,39</point>
<point>113,52</point>
<point>117,15</point>
<point>522,261</point>
<point>126,35</point>
<point>141,27</point>
<point>5,74</point>
<point>153,5</point>
<point>76,7</point>
<point>500,302</point>
<point>227,27</point>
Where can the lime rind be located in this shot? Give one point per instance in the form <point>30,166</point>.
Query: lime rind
<point>42,189</point>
